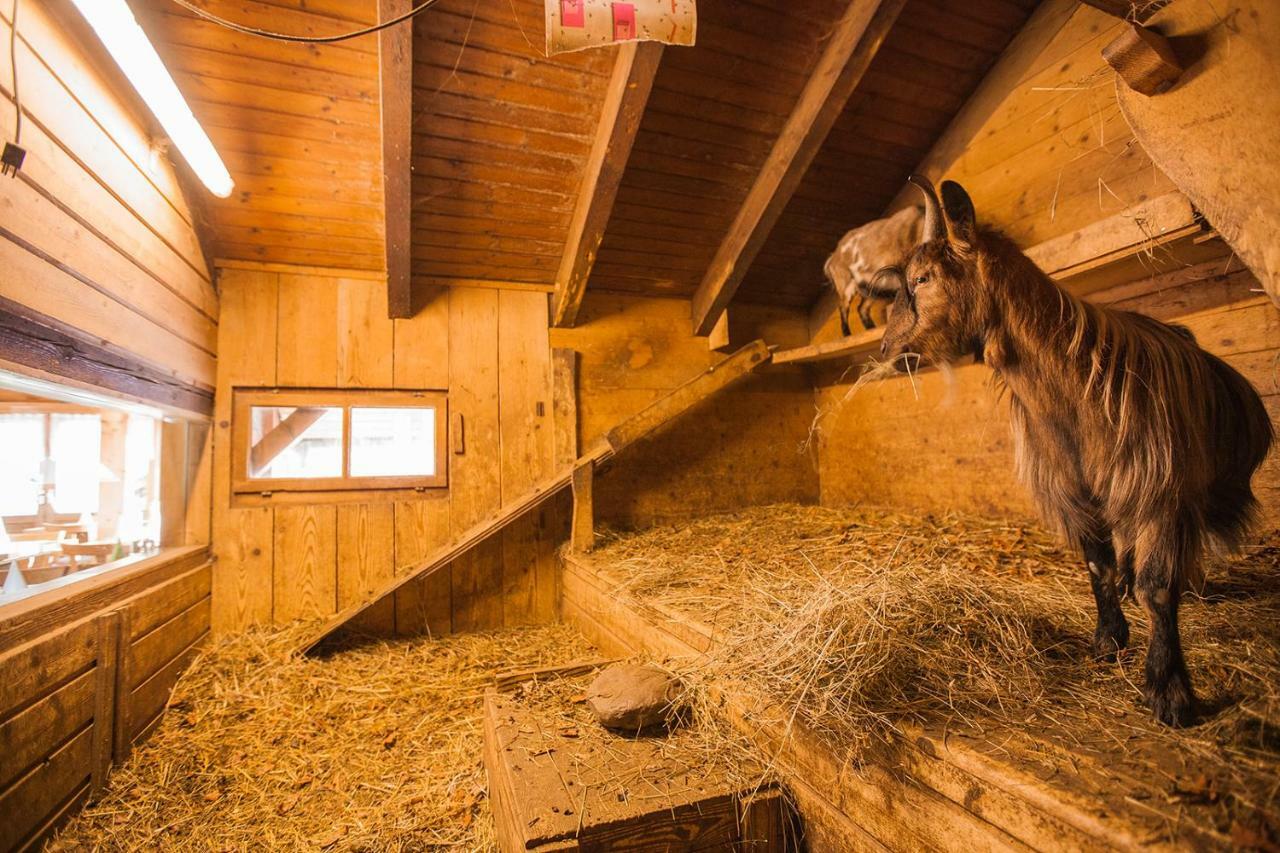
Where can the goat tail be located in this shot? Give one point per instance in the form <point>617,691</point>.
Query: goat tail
<point>1247,437</point>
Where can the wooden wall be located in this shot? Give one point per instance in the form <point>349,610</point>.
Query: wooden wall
<point>1054,157</point>
<point>741,448</point>
<point>84,675</point>
<point>488,348</point>
<point>276,561</point>
<point>96,238</point>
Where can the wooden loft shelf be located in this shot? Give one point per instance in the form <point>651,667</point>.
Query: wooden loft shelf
<point>1067,258</point>
<point>860,345</point>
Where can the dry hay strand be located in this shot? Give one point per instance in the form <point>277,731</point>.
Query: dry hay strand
<point>375,748</point>
<point>860,622</point>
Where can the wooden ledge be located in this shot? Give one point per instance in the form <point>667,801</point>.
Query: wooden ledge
<point>1018,790</point>
<point>84,593</point>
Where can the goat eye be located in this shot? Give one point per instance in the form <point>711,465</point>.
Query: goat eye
<point>922,279</point>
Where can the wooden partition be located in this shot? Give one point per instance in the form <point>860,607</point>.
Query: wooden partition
<point>85,672</point>
<point>1054,166</point>
<point>97,240</point>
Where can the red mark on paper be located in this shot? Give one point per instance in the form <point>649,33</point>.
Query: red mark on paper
<point>573,13</point>
<point>624,21</point>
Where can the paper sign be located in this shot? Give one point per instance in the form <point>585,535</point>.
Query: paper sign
<point>580,24</point>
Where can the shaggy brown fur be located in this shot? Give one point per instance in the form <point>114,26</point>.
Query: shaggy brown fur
<point>1137,444</point>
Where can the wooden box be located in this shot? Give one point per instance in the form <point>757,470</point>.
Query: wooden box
<point>557,781</point>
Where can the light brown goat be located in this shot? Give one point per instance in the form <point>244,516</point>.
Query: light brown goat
<point>1136,443</point>
<point>863,252</point>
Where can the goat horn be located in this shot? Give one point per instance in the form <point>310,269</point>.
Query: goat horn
<point>934,226</point>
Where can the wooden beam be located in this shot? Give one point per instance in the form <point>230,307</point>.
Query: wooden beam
<point>395,80</point>
<point>661,411</point>
<point>281,437</point>
<point>624,103</point>
<point>850,48</point>
<point>42,344</point>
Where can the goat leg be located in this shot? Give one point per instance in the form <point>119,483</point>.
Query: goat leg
<point>864,313</point>
<point>1112,631</point>
<point>1168,685</point>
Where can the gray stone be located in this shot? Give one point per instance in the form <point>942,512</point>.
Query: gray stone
<point>630,697</point>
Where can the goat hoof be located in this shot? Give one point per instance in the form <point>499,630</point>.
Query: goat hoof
<point>1172,703</point>
<point>1109,642</point>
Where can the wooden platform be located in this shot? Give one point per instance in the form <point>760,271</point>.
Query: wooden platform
<point>1012,790</point>
<point>558,781</point>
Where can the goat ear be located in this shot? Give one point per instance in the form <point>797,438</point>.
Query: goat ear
<point>957,209</point>
<point>885,284</point>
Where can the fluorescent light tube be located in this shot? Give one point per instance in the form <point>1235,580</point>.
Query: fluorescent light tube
<point>115,25</point>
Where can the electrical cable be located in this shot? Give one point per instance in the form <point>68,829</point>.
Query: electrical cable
<point>254,31</point>
<point>13,65</point>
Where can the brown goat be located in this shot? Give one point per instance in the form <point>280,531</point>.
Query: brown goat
<point>1137,444</point>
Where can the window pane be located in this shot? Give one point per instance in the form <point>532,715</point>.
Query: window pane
<point>21,449</point>
<point>75,443</point>
<point>388,442</point>
<point>303,442</point>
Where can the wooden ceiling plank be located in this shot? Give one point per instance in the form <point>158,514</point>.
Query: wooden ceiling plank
<point>628,92</point>
<point>395,78</point>
<point>850,49</point>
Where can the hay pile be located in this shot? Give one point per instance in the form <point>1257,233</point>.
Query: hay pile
<point>375,748</point>
<point>861,621</point>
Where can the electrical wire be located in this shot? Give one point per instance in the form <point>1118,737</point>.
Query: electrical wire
<point>254,31</point>
<point>13,65</point>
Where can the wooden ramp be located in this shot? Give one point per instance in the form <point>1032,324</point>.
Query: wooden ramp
<point>660,412</point>
<point>928,790</point>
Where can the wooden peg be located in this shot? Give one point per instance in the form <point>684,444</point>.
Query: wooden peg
<point>1144,59</point>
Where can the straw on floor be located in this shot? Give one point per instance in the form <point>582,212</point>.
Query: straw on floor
<point>375,748</point>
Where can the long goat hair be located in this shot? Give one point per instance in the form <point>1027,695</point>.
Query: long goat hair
<point>1136,444</point>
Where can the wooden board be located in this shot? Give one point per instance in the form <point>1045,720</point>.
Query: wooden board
<point>557,787</point>
<point>1213,132</point>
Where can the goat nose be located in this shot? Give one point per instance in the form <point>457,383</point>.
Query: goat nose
<point>884,348</point>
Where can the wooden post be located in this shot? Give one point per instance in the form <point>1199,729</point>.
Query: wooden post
<point>122,736</point>
<point>564,404</point>
<point>105,700</point>
<point>395,70</point>
<point>583,537</point>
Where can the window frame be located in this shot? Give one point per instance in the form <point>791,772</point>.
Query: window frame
<point>245,399</point>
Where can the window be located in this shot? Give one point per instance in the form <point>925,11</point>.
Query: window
<point>80,484</point>
<point>333,440</point>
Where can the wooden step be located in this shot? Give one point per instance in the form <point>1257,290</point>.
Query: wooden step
<point>927,790</point>
<point>662,411</point>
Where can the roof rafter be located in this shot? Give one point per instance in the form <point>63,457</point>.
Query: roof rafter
<point>850,48</point>
<point>395,81</point>
<point>625,100</point>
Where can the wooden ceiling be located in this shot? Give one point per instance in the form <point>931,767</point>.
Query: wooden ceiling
<point>502,136</point>
<point>298,127</point>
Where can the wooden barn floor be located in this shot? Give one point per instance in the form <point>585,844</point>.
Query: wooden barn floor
<point>955,650</point>
<point>374,748</point>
